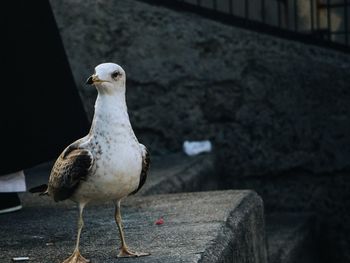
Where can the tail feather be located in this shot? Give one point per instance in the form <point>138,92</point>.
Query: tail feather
<point>42,189</point>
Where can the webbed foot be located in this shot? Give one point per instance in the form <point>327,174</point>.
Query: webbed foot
<point>76,257</point>
<point>126,253</point>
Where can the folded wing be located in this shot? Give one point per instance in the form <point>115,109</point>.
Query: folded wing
<point>145,166</point>
<point>71,167</point>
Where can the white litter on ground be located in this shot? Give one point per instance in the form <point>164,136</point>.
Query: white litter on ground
<point>20,259</point>
<point>192,148</point>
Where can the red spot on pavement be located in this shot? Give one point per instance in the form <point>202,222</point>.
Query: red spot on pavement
<point>160,221</point>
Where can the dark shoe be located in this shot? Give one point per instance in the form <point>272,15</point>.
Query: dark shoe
<point>9,202</point>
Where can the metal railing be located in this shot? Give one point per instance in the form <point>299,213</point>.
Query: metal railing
<point>324,22</point>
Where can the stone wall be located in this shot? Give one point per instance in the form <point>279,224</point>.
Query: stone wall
<point>268,104</point>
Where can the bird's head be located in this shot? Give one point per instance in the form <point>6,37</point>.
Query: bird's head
<point>108,78</point>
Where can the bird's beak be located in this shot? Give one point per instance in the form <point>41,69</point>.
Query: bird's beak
<point>93,79</point>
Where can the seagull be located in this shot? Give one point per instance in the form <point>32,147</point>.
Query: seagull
<point>108,164</point>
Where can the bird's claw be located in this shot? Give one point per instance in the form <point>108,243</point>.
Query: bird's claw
<point>126,253</point>
<point>76,257</point>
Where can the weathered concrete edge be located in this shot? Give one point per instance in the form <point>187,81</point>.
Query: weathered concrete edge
<point>242,238</point>
<point>186,180</point>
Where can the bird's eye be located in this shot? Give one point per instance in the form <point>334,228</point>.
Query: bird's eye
<point>115,74</point>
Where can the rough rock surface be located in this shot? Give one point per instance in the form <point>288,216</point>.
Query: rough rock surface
<point>226,226</point>
<point>268,104</point>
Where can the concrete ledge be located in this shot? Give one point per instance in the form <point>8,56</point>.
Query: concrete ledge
<point>224,226</point>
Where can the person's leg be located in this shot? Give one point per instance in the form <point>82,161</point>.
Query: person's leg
<point>9,202</point>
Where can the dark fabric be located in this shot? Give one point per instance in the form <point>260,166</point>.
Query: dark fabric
<point>41,112</point>
<point>9,200</point>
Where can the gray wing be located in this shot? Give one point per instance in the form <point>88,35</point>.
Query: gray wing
<point>71,167</point>
<point>146,160</point>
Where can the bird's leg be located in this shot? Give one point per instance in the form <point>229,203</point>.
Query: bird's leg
<point>124,250</point>
<point>76,257</point>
